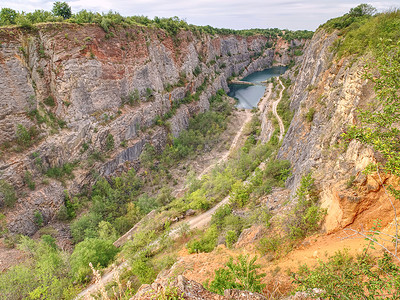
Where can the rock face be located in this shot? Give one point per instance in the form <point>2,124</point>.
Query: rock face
<point>87,92</point>
<point>334,88</point>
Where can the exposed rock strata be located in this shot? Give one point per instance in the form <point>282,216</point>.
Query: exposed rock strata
<point>335,89</point>
<point>91,76</point>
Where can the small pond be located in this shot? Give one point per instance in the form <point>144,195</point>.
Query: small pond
<point>249,95</point>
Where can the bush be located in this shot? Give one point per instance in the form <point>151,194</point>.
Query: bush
<point>26,137</point>
<point>306,216</point>
<point>344,276</point>
<point>231,238</point>
<point>28,180</point>
<point>7,16</point>
<point>97,251</point>
<point>219,216</point>
<point>309,116</point>
<point>62,172</point>
<point>49,101</point>
<point>8,193</point>
<point>206,243</point>
<point>240,194</point>
<point>143,270</point>
<point>241,275</point>
<point>44,276</point>
<point>109,142</point>
<point>38,218</point>
<point>85,227</point>
<point>197,71</point>
<point>269,244</point>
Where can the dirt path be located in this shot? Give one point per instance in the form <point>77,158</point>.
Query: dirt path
<point>274,106</point>
<point>232,147</point>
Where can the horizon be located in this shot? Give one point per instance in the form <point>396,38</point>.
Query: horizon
<point>289,14</point>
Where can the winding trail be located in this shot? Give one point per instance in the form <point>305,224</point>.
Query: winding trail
<point>274,107</point>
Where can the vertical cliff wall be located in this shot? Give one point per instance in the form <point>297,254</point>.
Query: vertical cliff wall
<point>326,93</point>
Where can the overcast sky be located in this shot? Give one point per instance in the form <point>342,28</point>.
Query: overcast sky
<point>235,14</point>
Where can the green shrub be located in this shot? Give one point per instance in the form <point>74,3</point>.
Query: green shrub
<point>240,194</point>
<point>26,137</point>
<point>269,244</point>
<point>28,180</point>
<point>197,71</point>
<point>241,275</point>
<point>306,216</point>
<point>38,218</point>
<point>309,116</point>
<point>109,142</point>
<point>219,216</point>
<point>143,269</point>
<point>206,243</point>
<point>46,275</point>
<point>62,172</point>
<point>8,193</point>
<point>7,16</point>
<point>231,238</point>
<point>146,204</point>
<point>96,251</point>
<point>344,276</point>
<point>85,227</point>
<point>49,101</point>
<point>134,97</point>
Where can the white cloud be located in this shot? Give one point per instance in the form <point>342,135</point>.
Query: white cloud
<point>237,14</point>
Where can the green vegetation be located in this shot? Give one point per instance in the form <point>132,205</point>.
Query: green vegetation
<point>38,218</point>
<point>49,101</point>
<point>283,108</point>
<point>46,274</point>
<point>362,30</point>
<point>356,16</point>
<point>306,216</point>
<point>206,243</point>
<point>203,131</point>
<point>241,275</point>
<point>97,251</point>
<point>309,116</point>
<point>26,137</point>
<point>109,142</point>
<point>62,9</point>
<point>114,202</point>
<point>302,220</point>
<point>347,277</point>
<point>7,191</point>
<point>62,172</point>
<point>28,180</point>
<point>61,12</point>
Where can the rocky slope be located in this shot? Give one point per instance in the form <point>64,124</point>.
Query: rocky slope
<point>326,93</point>
<point>88,93</point>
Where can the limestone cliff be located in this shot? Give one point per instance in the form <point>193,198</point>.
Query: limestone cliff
<point>326,93</point>
<point>86,92</point>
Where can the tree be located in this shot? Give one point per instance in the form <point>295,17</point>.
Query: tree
<point>62,9</point>
<point>7,16</point>
<point>362,10</point>
<point>96,251</point>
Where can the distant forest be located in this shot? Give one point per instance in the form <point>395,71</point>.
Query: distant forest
<point>62,12</point>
